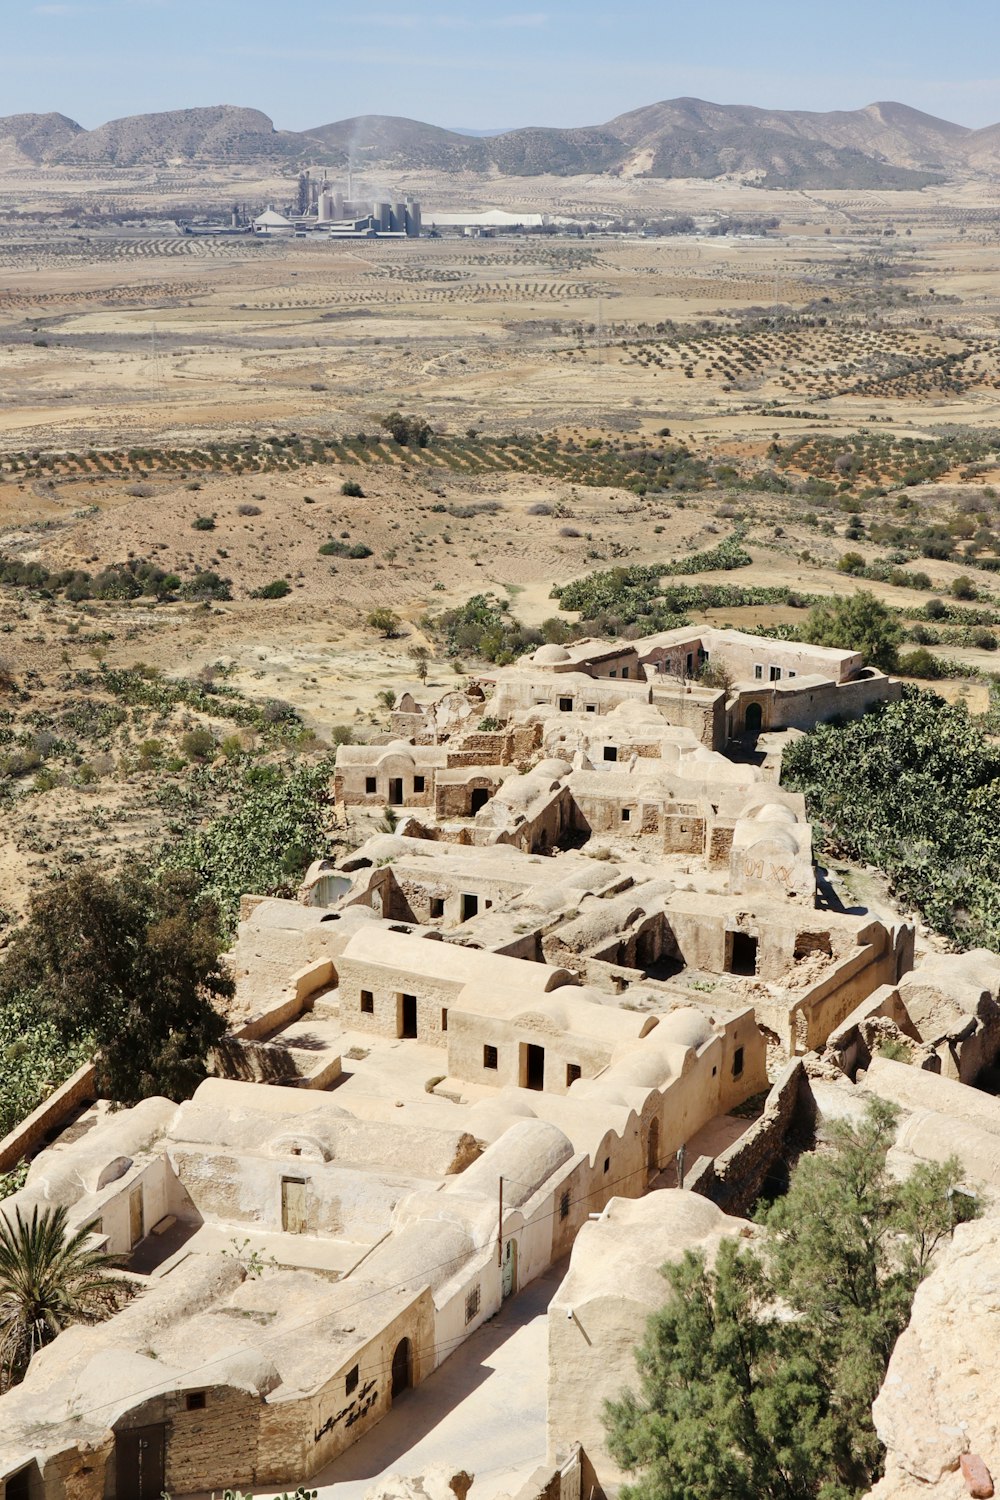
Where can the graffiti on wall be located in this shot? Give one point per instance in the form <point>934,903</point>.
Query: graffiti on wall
<point>352,1412</point>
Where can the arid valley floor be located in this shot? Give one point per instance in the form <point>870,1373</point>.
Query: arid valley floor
<point>143,373</point>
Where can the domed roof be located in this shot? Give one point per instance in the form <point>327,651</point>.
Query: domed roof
<point>774,812</point>
<point>686,1028</point>
<point>549,656</point>
<point>554,768</point>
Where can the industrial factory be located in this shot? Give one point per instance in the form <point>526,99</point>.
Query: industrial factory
<point>325,210</point>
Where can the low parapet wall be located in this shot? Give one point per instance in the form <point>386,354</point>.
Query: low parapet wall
<point>65,1101</point>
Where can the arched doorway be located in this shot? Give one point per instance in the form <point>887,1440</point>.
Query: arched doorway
<point>753,719</point>
<point>402,1368</point>
<point>653,1151</point>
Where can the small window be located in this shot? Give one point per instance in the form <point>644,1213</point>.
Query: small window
<point>489,1056</point>
<point>419,783</point>
<point>444,1018</point>
<point>591,708</point>
<point>611,752</point>
<point>564,1205</point>
<point>793,674</point>
<point>367,1003</point>
<point>195,1401</point>
<point>573,1072</point>
<point>624,672</point>
<point>626,815</point>
<point>775,674</point>
<point>758,673</point>
<point>437,907</point>
<point>613,673</point>
<point>473,1302</point>
<point>565,705</point>
<point>351,1381</point>
<point>738,1062</point>
<point>607,1165</point>
<point>371,785</point>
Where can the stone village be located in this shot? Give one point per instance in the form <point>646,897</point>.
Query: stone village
<point>570,1009</point>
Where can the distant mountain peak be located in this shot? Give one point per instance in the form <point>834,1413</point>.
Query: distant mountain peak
<point>883,144</point>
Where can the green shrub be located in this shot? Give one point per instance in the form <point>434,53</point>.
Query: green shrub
<point>277,589</point>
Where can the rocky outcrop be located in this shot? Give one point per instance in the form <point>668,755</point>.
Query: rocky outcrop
<point>938,1404</point>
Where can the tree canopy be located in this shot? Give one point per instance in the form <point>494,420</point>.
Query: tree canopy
<point>914,789</point>
<point>131,962</point>
<point>857,622</point>
<point>758,1374</point>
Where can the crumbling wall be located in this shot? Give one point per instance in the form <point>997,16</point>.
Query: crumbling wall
<point>736,1178</point>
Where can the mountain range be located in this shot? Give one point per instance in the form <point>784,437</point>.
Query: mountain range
<point>884,145</point>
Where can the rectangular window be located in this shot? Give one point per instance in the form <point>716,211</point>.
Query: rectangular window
<point>472,1304</point>
<point>611,752</point>
<point>758,673</point>
<point>195,1401</point>
<point>371,785</point>
<point>444,1018</point>
<point>489,1056</point>
<point>793,674</point>
<point>738,1062</point>
<point>564,1205</point>
<point>591,708</point>
<point>565,705</point>
<point>626,815</point>
<point>437,907</point>
<point>775,674</point>
<point>418,783</point>
<point>367,1003</point>
<point>573,1072</point>
<point>351,1381</point>
<point>612,673</point>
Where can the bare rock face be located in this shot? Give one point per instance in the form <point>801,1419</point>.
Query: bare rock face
<point>937,1411</point>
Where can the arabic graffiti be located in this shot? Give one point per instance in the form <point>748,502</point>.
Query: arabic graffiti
<point>352,1412</point>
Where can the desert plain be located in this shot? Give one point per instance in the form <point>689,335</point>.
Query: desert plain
<point>823,377</point>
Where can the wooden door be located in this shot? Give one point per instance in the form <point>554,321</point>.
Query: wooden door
<point>402,1368</point>
<point>136,1217</point>
<point>140,1458</point>
<point>293,1205</point>
<point>509,1268</point>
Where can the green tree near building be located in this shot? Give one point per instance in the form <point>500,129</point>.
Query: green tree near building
<point>758,1374</point>
<point>131,962</point>
<point>858,622</point>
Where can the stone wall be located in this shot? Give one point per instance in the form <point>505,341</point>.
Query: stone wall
<point>736,1178</point>
<point>45,1121</point>
<point>689,706</point>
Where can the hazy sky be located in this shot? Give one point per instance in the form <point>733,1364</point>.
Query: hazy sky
<point>566,62</point>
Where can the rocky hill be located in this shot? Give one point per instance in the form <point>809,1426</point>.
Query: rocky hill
<point>883,145</point>
<point>36,138</point>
